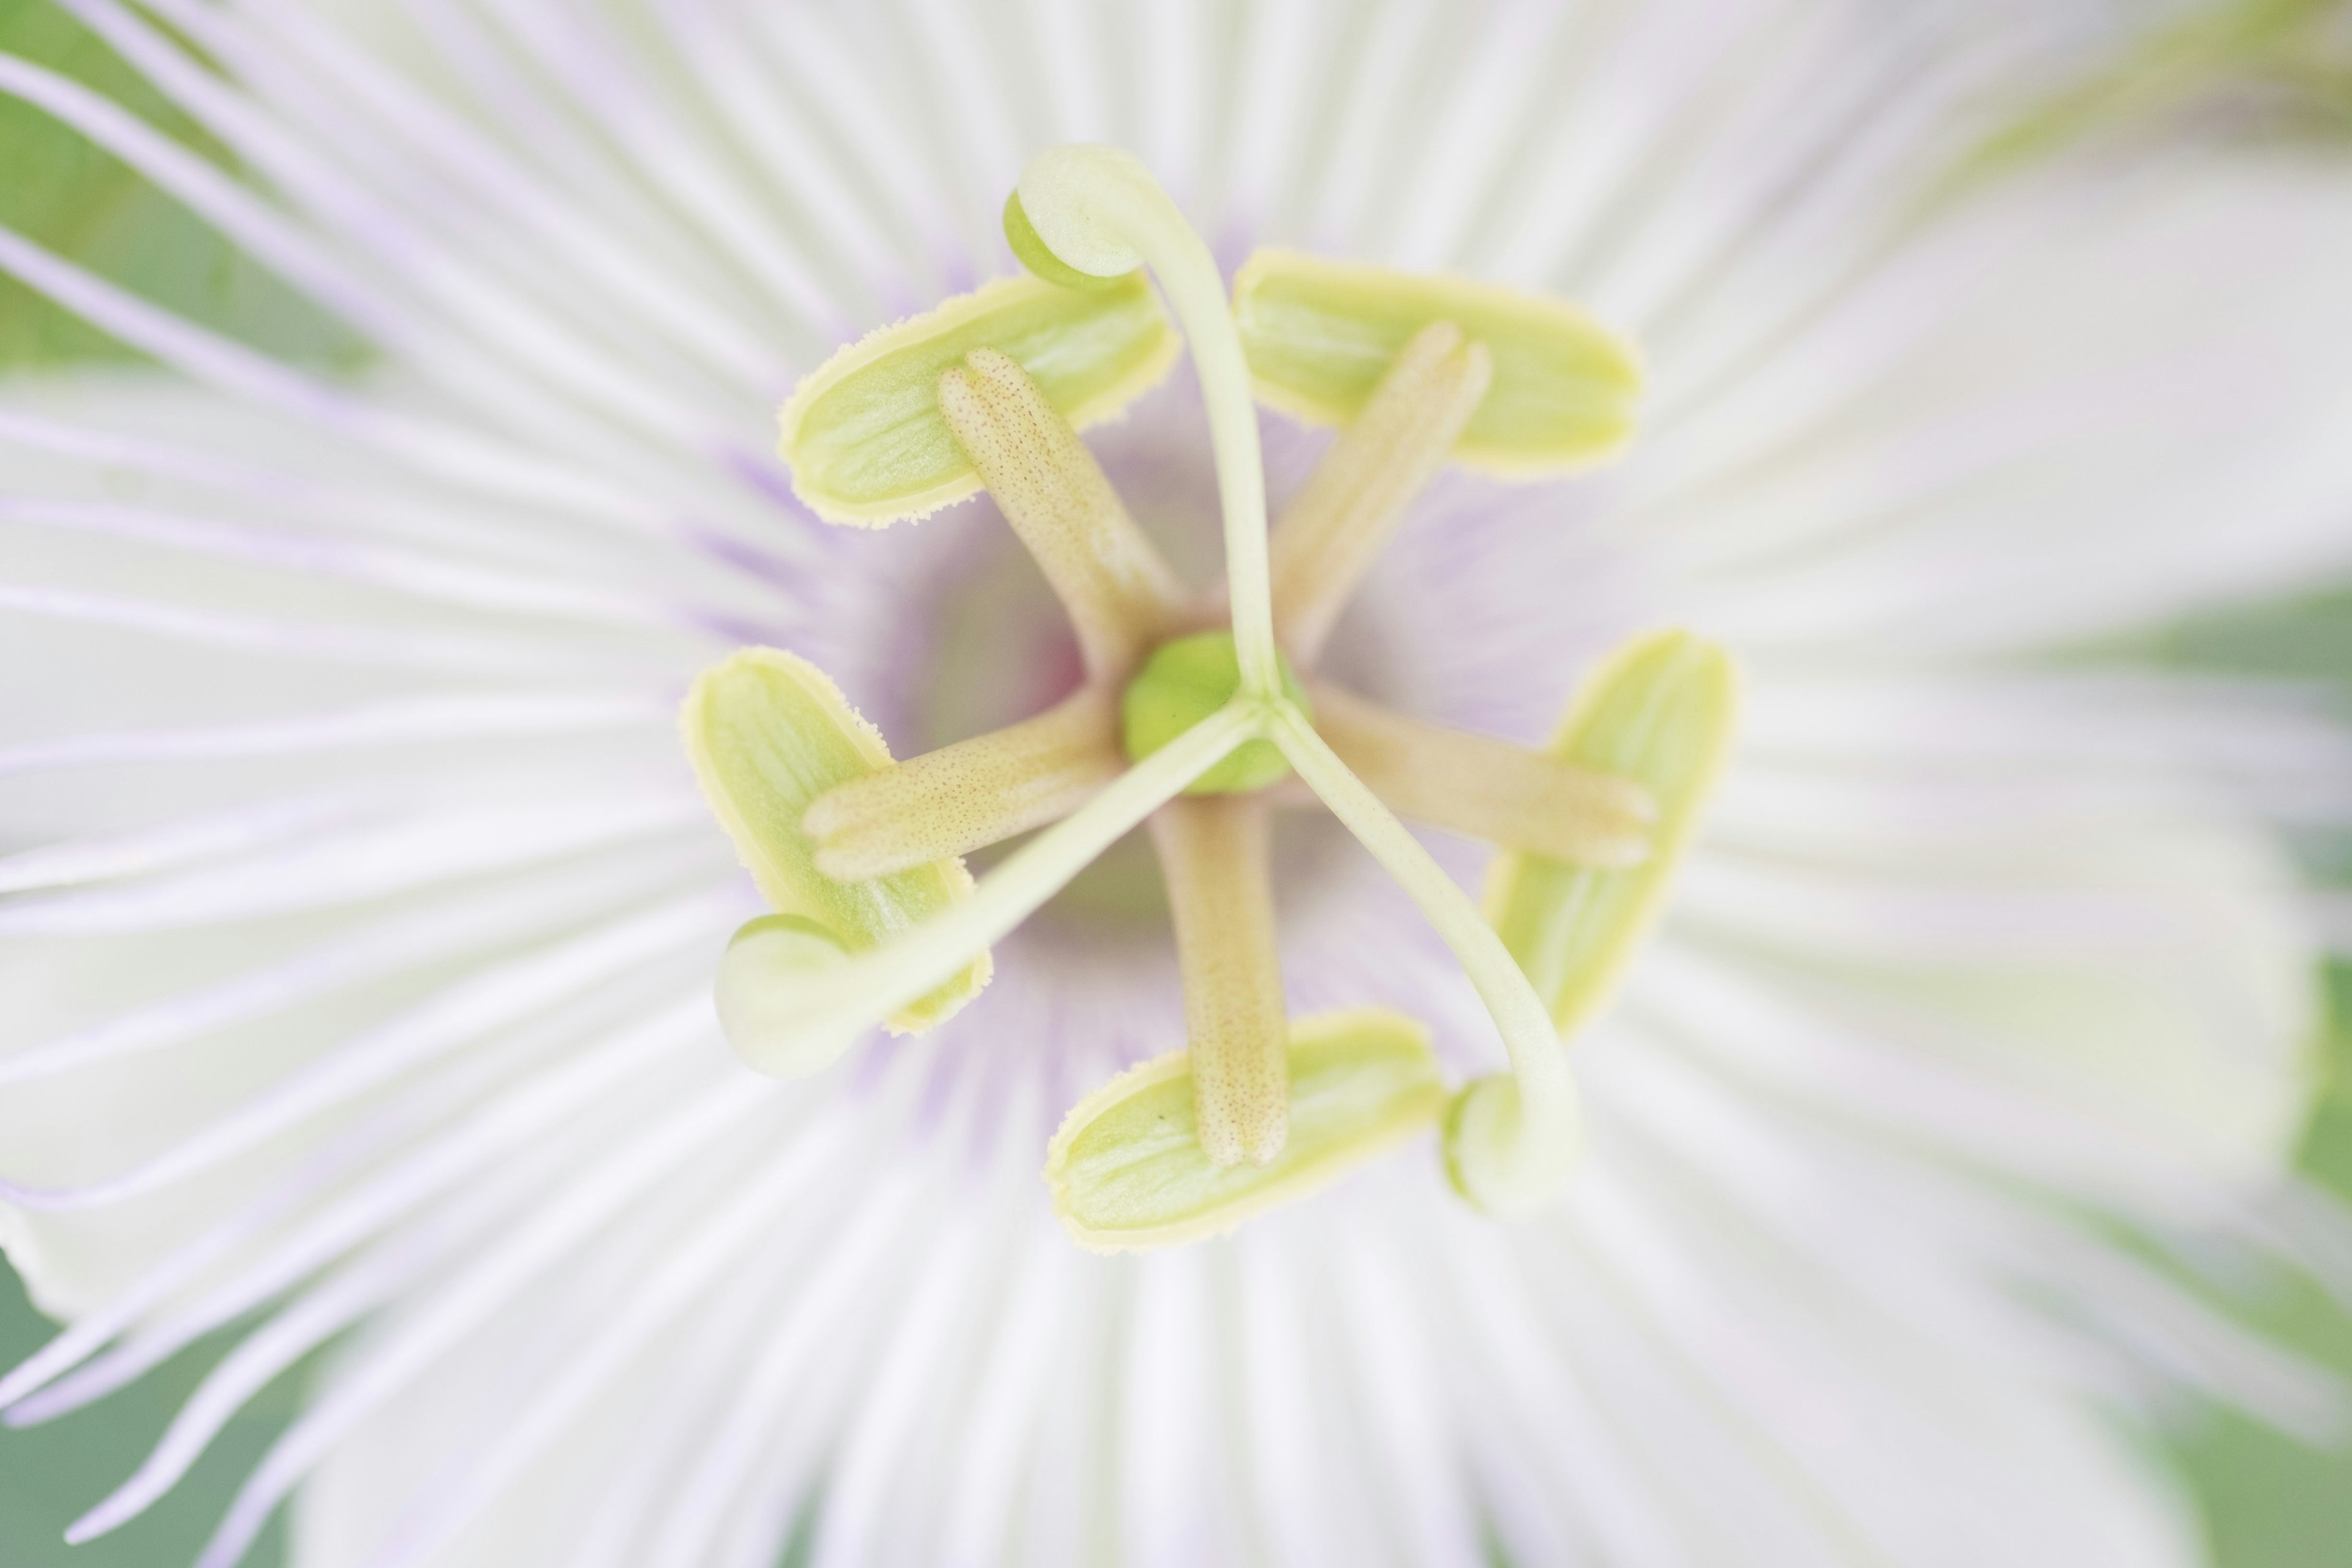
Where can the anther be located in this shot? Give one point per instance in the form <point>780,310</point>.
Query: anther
<point>1128,1170</point>
<point>767,733</point>
<point>1321,335</point>
<point>1660,711</point>
<point>864,433</point>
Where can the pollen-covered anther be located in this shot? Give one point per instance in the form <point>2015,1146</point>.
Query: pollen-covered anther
<point>969,795</point>
<point>1321,335</point>
<point>864,434</point>
<point>767,733</point>
<point>1662,711</point>
<point>1128,1172</point>
<point>1374,471</point>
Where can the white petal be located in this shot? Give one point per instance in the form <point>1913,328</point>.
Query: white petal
<point>2073,408</point>
<point>623,1307</point>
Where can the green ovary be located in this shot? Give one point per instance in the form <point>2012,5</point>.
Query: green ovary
<point>1183,682</point>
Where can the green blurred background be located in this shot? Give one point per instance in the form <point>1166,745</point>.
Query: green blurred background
<point>2273,70</point>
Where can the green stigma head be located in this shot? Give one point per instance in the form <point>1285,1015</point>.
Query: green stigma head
<point>1031,250</point>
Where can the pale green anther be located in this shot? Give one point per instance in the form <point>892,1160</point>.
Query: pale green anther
<point>864,435</point>
<point>1128,1173</point>
<point>1660,711</point>
<point>1184,681</point>
<point>1320,335</point>
<point>767,733</point>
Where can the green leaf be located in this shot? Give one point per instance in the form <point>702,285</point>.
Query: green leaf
<point>50,1473</point>
<point>66,196</point>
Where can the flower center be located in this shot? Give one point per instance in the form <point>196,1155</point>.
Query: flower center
<point>1184,681</point>
<point>1187,729</point>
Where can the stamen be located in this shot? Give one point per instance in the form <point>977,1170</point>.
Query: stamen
<point>1321,334</point>
<point>1128,1174</point>
<point>1489,789</point>
<point>864,435</point>
<point>1100,211</point>
<point>1511,1141</point>
<point>1661,712</point>
<point>810,1003</point>
<point>1214,852</point>
<point>969,795</point>
<point>1359,493</point>
<point>1121,595</point>
<point>767,733</point>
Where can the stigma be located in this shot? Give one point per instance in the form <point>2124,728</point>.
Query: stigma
<point>1202,713</point>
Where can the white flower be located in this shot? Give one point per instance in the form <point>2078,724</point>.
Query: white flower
<point>359,973</point>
